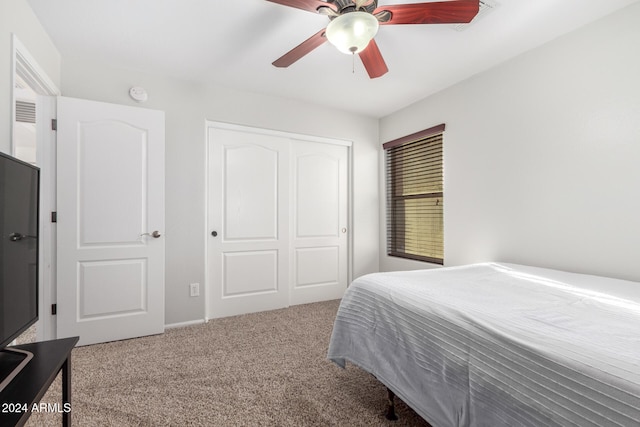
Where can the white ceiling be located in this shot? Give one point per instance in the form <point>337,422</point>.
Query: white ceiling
<point>234,42</point>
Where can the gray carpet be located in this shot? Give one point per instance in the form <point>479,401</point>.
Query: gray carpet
<point>262,369</point>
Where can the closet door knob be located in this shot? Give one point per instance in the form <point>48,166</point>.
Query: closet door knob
<point>214,233</point>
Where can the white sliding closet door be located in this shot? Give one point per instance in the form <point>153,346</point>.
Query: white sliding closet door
<point>277,220</point>
<point>320,221</point>
<point>248,218</point>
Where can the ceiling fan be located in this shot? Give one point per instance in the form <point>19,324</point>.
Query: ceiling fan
<point>354,23</point>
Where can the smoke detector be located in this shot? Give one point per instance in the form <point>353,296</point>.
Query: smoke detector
<point>138,94</point>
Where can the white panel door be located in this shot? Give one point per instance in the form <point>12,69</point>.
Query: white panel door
<point>248,200</point>
<point>110,201</point>
<point>320,220</point>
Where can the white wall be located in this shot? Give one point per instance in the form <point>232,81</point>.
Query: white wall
<point>16,17</point>
<point>542,155</point>
<point>187,105</point>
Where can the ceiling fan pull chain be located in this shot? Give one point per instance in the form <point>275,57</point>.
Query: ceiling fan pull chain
<point>353,62</point>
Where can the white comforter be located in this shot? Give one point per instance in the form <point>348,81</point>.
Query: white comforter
<point>498,344</point>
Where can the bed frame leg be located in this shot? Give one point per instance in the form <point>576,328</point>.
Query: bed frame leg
<point>391,408</point>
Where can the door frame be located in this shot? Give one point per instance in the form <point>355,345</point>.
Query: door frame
<point>210,124</point>
<point>24,65</point>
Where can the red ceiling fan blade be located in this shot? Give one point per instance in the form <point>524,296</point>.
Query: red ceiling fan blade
<point>440,12</point>
<point>373,61</point>
<point>301,50</point>
<point>309,5</point>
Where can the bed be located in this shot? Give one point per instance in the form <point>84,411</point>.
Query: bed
<point>497,344</point>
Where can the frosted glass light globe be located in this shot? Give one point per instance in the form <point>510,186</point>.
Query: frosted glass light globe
<point>352,32</point>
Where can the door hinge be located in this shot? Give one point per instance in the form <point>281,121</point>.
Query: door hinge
<point>54,216</point>
<point>54,309</point>
<point>54,124</point>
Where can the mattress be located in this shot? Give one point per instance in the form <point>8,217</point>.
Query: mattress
<point>498,344</point>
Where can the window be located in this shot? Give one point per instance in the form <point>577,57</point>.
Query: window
<point>415,198</point>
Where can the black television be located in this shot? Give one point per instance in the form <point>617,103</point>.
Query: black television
<point>19,228</point>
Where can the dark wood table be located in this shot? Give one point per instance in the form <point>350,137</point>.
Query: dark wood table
<point>30,385</point>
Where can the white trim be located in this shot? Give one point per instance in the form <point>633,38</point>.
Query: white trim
<point>204,290</point>
<point>29,69</point>
<point>184,324</point>
<point>46,154</point>
<point>282,134</point>
<point>24,65</point>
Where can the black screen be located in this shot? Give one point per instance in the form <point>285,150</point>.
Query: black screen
<point>19,192</point>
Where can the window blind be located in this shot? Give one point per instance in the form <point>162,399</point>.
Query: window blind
<point>415,197</point>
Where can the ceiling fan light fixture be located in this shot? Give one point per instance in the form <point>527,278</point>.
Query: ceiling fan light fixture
<point>351,32</point>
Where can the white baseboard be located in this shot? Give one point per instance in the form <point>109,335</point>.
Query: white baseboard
<point>183,324</point>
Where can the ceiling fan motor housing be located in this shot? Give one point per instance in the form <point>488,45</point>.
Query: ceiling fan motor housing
<point>346,6</point>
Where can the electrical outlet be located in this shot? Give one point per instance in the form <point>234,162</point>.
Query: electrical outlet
<point>194,289</point>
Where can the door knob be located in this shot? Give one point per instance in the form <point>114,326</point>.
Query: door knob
<point>155,234</point>
<point>14,237</point>
<point>214,233</point>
